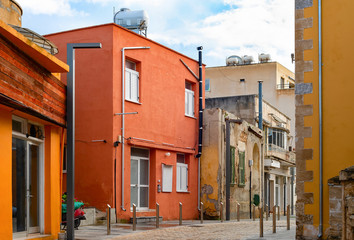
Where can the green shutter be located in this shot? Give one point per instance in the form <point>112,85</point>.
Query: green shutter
<point>241,168</point>
<point>232,162</point>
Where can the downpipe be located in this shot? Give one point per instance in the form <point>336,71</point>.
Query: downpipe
<point>123,101</point>
<point>200,131</point>
<point>320,114</point>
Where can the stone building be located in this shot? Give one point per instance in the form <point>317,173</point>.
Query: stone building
<point>277,181</point>
<point>245,166</point>
<point>324,108</point>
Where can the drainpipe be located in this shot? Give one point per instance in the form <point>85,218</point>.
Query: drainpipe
<point>320,113</point>
<point>228,164</point>
<point>200,137</point>
<point>123,101</point>
<point>260,109</point>
<point>292,170</point>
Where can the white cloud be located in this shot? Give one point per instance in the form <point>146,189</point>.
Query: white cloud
<point>50,7</point>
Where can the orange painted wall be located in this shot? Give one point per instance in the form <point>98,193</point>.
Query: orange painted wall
<point>5,173</point>
<point>160,117</point>
<point>338,109</point>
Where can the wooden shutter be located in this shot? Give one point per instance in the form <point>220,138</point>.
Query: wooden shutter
<point>182,177</point>
<point>167,176</point>
<point>232,162</point>
<point>241,167</point>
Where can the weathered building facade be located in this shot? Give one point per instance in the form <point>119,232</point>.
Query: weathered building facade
<point>323,54</point>
<point>245,166</point>
<point>276,178</point>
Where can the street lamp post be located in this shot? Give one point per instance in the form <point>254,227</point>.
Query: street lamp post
<point>70,101</point>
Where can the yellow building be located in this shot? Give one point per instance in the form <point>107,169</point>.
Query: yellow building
<point>32,121</point>
<point>324,107</point>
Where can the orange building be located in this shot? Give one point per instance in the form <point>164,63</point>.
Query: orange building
<point>159,133</point>
<point>32,121</point>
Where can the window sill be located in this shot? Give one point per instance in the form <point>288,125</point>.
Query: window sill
<point>190,117</point>
<point>127,100</point>
<point>183,191</point>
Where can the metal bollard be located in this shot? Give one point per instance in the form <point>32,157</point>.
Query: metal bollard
<point>108,219</point>
<point>134,217</point>
<point>288,217</point>
<point>260,221</point>
<point>201,212</point>
<point>221,211</point>
<point>254,212</point>
<point>267,211</point>
<point>180,213</point>
<point>278,213</point>
<point>274,219</point>
<point>238,212</point>
<point>157,215</point>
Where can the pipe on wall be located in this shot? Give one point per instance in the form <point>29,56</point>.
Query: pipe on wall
<point>122,113</point>
<point>320,115</point>
<point>200,131</point>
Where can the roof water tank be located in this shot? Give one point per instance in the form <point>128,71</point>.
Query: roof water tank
<point>233,60</point>
<point>11,12</point>
<point>138,19</point>
<point>247,59</point>
<point>263,57</point>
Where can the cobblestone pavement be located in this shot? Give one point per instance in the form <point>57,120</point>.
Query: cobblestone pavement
<point>244,230</point>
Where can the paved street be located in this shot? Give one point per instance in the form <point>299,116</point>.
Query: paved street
<point>244,230</point>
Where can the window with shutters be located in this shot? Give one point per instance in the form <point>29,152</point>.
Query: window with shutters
<point>167,175</point>
<point>189,100</point>
<point>232,162</point>
<point>241,169</point>
<point>131,82</point>
<point>182,174</point>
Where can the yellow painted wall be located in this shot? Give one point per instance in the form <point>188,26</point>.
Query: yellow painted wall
<point>338,110</point>
<point>5,173</point>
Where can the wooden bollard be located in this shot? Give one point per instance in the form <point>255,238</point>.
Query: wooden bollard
<point>254,212</point>
<point>201,212</point>
<point>134,217</point>
<point>267,211</point>
<point>278,213</point>
<point>288,217</point>
<point>274,219</point>
<point>108,219</point>
<point>221,211</point>
<point>180,213</point>
<point>238,212</point>
<point>260,222</point>
<point>157,215</point>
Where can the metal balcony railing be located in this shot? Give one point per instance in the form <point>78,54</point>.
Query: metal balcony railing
<point>285,86</point>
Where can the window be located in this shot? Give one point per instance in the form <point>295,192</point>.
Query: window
<point>182,174</point>
<point>167,176</point>
<point>232,162</point>
<point>241,168</point>
<point>277,137</point>
<point>189,100</point>
<point>131,82</point>
<point>207,85</point>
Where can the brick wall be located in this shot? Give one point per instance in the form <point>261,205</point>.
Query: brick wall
<point>335,211</point>
<point>24,81</point>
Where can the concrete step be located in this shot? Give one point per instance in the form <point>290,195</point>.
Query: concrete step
<point>145,219</point>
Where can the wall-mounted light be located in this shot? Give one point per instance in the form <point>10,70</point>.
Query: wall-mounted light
<point>167,154</point>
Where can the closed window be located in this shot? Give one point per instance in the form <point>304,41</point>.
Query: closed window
<point>277,137</point>
<point>241,169</point>
<point>182,174</point>
<point>207,85</point>
<point>167,175</point>
<point>189,100</point>
<point>131,82</point>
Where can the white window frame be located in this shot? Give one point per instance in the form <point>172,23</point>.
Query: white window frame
<point>128,85</point>
<point>189,103</point>
<point>180,169</point>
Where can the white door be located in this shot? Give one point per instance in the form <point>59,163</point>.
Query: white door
<point>139,178</point>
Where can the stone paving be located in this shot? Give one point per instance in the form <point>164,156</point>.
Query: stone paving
<point>243,230</point>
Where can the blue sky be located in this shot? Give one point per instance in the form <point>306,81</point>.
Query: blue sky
<point>222,27</point>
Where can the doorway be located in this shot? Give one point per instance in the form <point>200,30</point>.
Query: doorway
<point>139,178</point>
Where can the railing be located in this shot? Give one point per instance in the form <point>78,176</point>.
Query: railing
<point>285,86</point>
<point>281,153</point>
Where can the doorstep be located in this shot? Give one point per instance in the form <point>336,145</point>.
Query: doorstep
<point>146,219</point>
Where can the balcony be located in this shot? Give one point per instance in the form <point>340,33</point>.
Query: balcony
<point>286,86</point>
<point>286,157</point>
